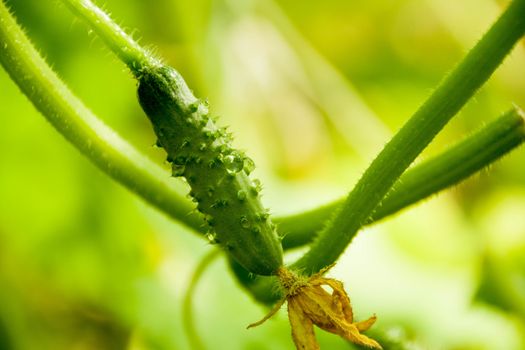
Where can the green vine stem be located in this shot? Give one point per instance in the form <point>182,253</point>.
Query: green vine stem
<point>414,136</point>
<point>454,165</point>
<point>123,45</point>
<point>79,126</point>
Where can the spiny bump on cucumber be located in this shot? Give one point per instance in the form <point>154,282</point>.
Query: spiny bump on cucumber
<point>218,175</point>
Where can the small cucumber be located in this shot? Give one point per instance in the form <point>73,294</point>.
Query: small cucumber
<point>218,175</point>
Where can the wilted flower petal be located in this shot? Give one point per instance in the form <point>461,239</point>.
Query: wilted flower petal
<point>302,328</point>
<point>310,303</point>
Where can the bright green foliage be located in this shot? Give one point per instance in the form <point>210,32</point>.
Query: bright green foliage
<point>95,268</point>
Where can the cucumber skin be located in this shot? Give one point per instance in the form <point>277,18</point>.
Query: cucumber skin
<point>199,151</point>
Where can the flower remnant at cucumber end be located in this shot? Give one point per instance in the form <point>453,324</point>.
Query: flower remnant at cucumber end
<point>310,304</point>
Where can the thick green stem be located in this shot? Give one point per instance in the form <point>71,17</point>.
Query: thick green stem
<point>79,126</point>
<point>123,45</point>
<point>459,162</point>
<point>414,136</point>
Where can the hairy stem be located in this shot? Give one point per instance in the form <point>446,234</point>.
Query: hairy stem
<point>122,44</point>
<point>80,126</point>
<point>459,162</point>
<point>453,92</point>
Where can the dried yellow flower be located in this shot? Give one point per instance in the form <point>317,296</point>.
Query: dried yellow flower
<point>309,304</point>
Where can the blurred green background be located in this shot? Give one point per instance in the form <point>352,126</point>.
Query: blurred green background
<point>312,90</point>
